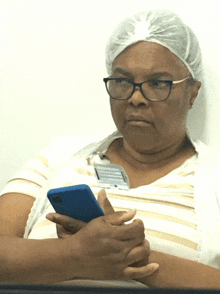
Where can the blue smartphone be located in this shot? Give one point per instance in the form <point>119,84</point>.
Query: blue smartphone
<point>75,201</point>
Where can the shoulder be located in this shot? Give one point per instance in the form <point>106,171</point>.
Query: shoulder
<point>208,167</point>
<point>37,172</point>
<point>207,154</point>
<point>63,148</point>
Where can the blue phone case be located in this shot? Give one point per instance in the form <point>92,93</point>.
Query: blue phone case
<point>75,201</point>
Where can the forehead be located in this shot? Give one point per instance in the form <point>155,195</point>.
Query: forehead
<point>148,58</point>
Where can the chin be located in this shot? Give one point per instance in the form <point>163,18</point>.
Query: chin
<point>143,142</point>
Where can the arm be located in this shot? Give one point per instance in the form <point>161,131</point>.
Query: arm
<point>173,271</point>
<point>25,260</point>
<point>102,249</point>
<point>35,261</point>
<point>181,273</point>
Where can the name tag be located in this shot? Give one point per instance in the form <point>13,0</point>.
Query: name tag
<point>111,176</point>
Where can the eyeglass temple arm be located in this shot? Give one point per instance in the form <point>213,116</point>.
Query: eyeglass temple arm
<point>177,82</point>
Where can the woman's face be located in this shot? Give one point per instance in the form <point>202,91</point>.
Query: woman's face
<point>146,125</point>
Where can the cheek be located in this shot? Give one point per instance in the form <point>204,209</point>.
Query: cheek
<point>171,116</point>
<point>117,111</point>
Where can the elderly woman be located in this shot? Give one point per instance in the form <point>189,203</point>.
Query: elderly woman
<point>154,64</point>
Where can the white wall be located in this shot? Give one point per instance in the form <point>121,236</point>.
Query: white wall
<point>52,65</point>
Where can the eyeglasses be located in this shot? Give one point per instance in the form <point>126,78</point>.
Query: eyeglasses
<point>153,90</point>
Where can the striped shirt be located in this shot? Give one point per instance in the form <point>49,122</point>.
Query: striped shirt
<point>166,206</point>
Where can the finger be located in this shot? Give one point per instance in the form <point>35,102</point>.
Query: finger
<point>61,232</point>
<point>140,272</point>
<point>105,203</point>
<point>69,223</point>
<point>138,253</point>
<point>128,242</point>
<point>119,217</point>
<point>136,256</point>
<point>130,231</point>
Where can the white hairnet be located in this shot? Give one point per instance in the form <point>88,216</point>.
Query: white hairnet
<point>160,26</point>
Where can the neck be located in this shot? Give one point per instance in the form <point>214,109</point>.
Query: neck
<point>152,159</point>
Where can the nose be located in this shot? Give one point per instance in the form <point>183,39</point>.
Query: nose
<point>137,98</point>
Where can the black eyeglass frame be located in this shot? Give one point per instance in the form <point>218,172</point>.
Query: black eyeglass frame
<point>171,83</point>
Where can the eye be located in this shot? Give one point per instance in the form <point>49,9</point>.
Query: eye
<point>159,84</point>
<point>121,82</point>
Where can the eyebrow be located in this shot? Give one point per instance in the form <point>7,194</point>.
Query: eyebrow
<point>122,71</point>
<point>152,76</point>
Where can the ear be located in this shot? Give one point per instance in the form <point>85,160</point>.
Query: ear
<point>194,93</point>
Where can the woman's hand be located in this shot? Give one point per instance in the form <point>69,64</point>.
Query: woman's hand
<point>136,260</point>
<point>67,226</point>
<point>111,246</point>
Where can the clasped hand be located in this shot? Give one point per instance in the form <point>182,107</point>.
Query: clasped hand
<point>108,247</point>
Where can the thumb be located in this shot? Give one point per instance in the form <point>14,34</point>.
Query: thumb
<point>119,217</point>
<point>68,223</point>
<point>105,203</point>
<point>136,273</point>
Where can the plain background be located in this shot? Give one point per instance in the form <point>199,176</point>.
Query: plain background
<point>52,63</point>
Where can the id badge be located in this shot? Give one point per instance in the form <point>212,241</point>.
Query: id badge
<point>111,176</point>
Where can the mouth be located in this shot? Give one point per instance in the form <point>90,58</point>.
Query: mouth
<point>139,123</point>
<point>138,120</point>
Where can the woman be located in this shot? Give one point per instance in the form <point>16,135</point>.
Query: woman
<point>154,62</point>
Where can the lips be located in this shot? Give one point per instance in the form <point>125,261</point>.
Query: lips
<point>132,118</point>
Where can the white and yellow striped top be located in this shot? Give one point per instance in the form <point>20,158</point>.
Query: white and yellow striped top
<point>165,206</point>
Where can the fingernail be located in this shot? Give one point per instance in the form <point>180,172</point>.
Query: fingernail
<point>103,193</point>
<point>132,211</point>
<point>49,217</point>
<point>156,266</point>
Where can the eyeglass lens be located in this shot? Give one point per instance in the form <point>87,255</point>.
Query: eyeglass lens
<point>155,90</point>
